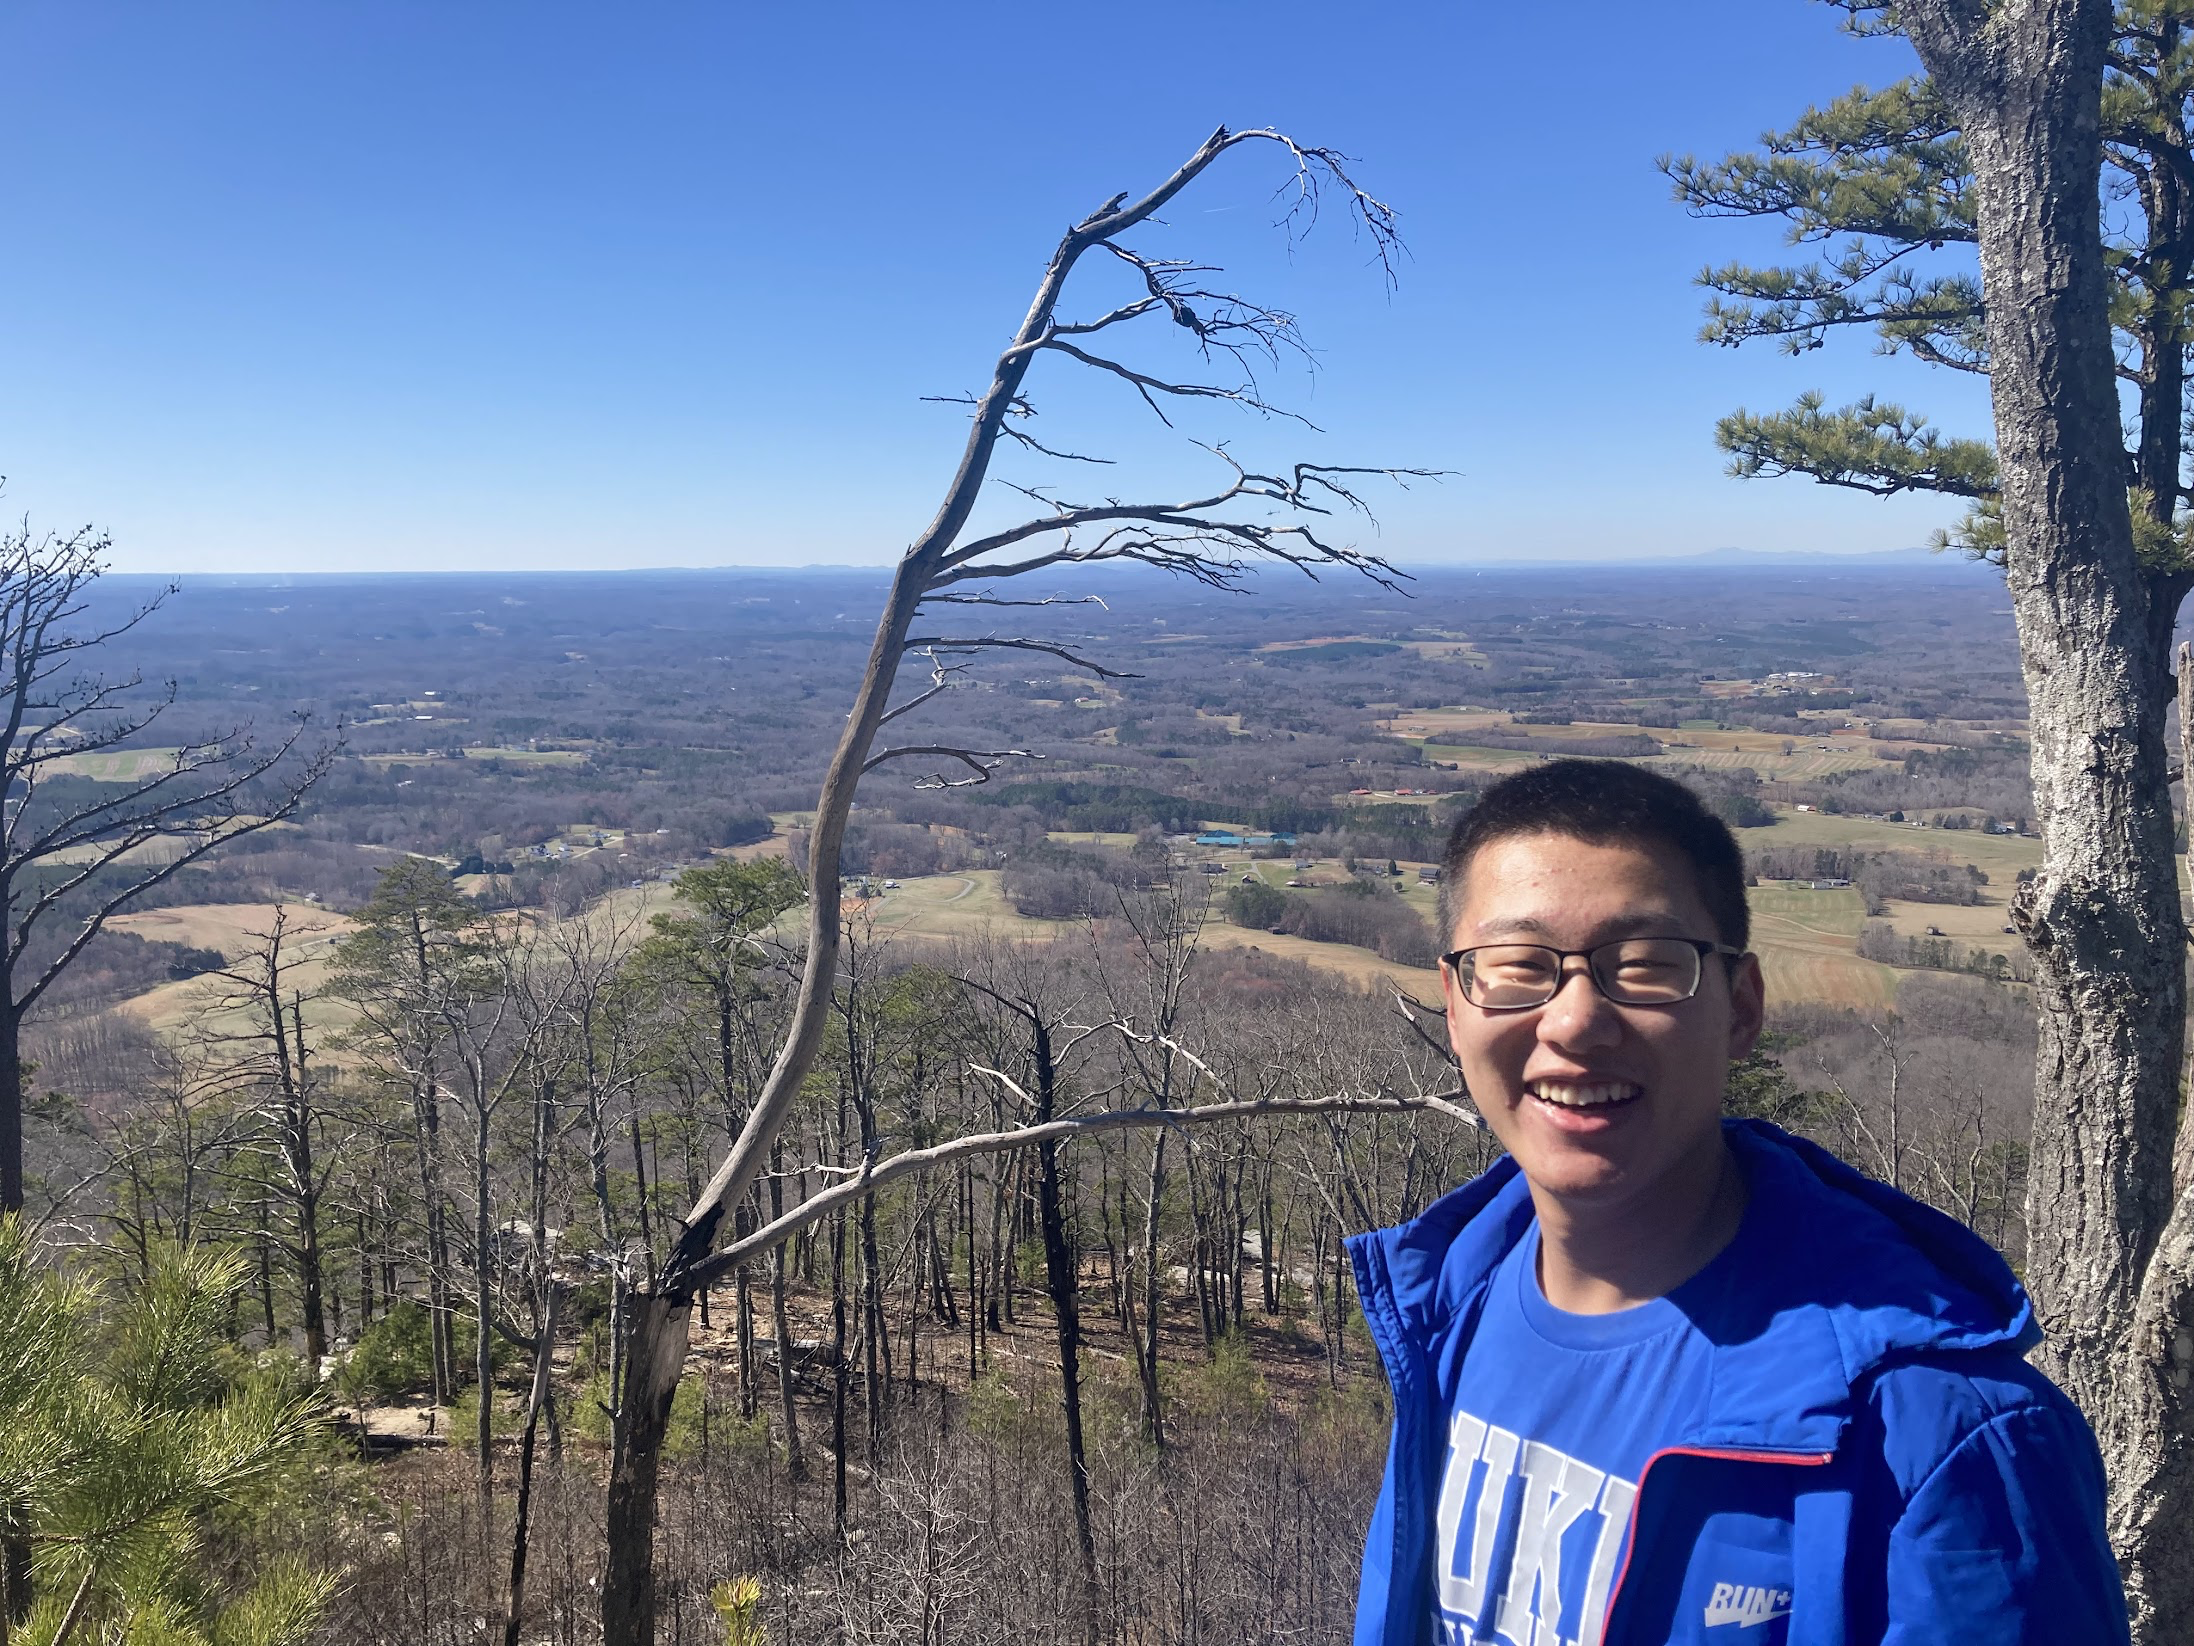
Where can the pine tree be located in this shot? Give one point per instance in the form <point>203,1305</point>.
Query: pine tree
<point>2052,137</point>
<point>1882,181</point>
<point>122,1438</point>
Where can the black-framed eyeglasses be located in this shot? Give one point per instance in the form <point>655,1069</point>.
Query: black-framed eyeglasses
<point>1632,971</point>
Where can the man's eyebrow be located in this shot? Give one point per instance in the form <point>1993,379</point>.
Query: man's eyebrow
<point>1635,925</point>
<point>1520,923</point>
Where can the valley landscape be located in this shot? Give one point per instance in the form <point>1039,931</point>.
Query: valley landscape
<point>1227,845</point>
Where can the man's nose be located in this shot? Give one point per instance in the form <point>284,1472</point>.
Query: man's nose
<point>1579,1013</point>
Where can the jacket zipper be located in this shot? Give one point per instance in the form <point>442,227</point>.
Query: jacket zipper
<point>1728,1454</point>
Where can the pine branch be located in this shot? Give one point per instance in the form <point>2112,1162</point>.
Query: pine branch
<point>1868,446</point>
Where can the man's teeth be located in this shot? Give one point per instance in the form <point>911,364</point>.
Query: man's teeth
<point>1569,1095</point>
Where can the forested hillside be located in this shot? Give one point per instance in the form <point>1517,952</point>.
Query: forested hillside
<point>467,1035</point>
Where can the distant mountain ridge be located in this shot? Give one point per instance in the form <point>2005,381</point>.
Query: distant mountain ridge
<point>1735,559</point>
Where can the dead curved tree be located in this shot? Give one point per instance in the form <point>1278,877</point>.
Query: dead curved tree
<point>943,587</point>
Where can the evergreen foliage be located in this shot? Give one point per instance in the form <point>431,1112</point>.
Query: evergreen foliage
<point>1256,905</point>
<point>125,1431</point>
<point>1880,181</point>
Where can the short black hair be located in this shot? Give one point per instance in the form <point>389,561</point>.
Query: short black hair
<point>1605,802</point>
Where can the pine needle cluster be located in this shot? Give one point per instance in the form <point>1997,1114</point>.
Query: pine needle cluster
<point>123,1436</point>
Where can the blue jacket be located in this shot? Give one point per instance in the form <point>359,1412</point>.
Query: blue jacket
<point>1879,1462</point>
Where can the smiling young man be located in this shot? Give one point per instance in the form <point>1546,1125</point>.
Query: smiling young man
<point>1664,1377</point>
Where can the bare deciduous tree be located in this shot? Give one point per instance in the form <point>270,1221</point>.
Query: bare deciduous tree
<point>67,859</point>
<point>1250,517</point>
<point>253,1033</point>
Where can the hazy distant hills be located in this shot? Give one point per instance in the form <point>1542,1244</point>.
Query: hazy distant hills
<point>1733,559</point>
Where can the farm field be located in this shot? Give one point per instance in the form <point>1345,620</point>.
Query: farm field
<point>1806,939</point>
<point>516,756</point>
<point>944,907</point>
<point>1982,923</point>
<point>1473,758</point>
<point>1805,761</point>
<point>1999,856</point>
<point>233,929</point>
<point>1360,966</point>
<point>528,757</point>
<point>1807,942</point>
<point>947,906</point>
<point>1444,735</point>
<point>116,765</point>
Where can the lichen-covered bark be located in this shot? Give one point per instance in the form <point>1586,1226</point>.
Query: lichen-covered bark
<point>2102,916</point>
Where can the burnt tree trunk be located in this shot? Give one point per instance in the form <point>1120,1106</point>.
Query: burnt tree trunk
<point>838,1377</point>
<point>11,1106</point>
<point>521,1525</point>
<point>655,1357</point>
<point>1062,1281</point>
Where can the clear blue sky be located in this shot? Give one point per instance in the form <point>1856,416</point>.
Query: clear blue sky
<point>412,285</point>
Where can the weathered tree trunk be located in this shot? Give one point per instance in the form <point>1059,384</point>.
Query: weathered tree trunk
<point>661,1313</point>
<point>543,1353</point>
<point>483,1340</point>
<point>781,1323</point>
<point>838,1376</point>
<point>875,1331</point>
<point>365,1275</point>
<point>427,1142</point>
<point>1060,1272</point>
<point>743,1322</point>
<point>655,1358</point>
<point>2150,1438</point>
<point>11,1106</point>
<point>2102,918</point>
<point>1146,1351</point>
<point>262,1251</point>
<point>298,1155</point>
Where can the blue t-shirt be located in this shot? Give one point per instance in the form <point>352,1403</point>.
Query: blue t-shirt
<point>1552,1417</point>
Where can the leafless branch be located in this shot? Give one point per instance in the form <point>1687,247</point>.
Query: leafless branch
<point>940,681</point>
<point>1022,409</point>
<point>995,600</point>
<point>1150,387</point>
<point>914,1161</point>
<point>940,643</point>
<point>981,761</point>
<point>1407,1008</point>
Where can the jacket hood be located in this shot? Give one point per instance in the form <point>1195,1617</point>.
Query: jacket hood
<point>1835,1277</point>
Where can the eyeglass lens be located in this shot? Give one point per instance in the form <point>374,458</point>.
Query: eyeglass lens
<point>1639,971</point>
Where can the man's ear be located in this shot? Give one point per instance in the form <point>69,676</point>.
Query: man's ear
<point>1747,1005</point>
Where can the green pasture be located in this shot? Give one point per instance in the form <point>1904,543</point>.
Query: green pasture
<point>1999,856</point>
<point>1800,762</point>
<point>116,765</point>
<point>1470,754</point>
